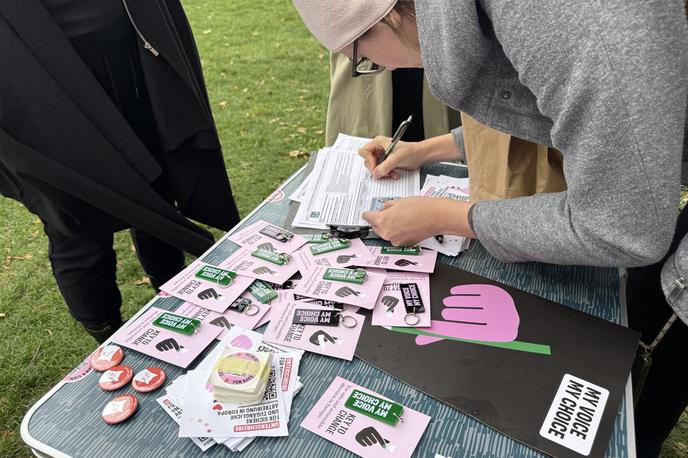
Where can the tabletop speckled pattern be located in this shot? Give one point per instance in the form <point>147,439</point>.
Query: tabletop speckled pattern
<point>69,420</point>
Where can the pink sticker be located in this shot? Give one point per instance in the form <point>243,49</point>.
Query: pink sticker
<point>188,286</point>
<point>363,295</point>
<point>172,347</point>
<point>476,312</point>
<point>358,433</point>
<point>425,262</point>
<point>253,237</point>
<point>390,310</point>
<point>337,341</point>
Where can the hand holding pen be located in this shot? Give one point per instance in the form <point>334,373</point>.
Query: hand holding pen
<point>383,155</point>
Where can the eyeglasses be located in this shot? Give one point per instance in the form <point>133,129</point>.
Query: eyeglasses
<point>363,66</point>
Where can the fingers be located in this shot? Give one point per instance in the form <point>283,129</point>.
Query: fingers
<point>388,204</point>
<point>386,167</point>
<point>372,150</point>
<point>373,218</point>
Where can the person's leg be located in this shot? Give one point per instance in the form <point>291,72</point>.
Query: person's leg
<point>664,396</point>
<point>85,271</point>
<point>160,261</point>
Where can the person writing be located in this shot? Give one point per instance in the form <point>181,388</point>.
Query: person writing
<point>604,83</point>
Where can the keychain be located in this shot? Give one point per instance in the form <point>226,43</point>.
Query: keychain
<point>243,305</point>
<point>276,233</point>
<point>271,256</point>
<point>323,318</point>
<point>177,323</point>
<point>262,292</point>
<point>357,276</point>
<point>317,238</point>
<point>223,278</point>
<point>402,250</point>
<point>329,246</point>
<point>372,406</point>
<point>413,303</point>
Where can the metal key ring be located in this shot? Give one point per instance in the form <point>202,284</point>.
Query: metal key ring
<point>352,323</point>
<point>401,419</point>
<point>285,257</point>
<point>411,321</point>
<point>222,277</point>
<point>252,306</point>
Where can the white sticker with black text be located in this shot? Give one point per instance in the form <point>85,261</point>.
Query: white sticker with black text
<point>575,414</point>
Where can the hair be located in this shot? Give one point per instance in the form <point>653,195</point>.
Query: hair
<point>405,8</point>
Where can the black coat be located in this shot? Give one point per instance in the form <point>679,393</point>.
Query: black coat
<point>68,154</point>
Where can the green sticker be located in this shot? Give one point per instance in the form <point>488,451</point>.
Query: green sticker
<point>323,237</point>
<point>331,245</point>
<point>357,276</point>
<point>374,407</point>
<point>177,323</point>
<point>402,250</point>
<point>216,275</point>
<point>271,256</point>
<point>262,292</point>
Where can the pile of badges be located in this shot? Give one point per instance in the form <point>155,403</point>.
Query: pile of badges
<point>108,359</point>
<point>241,357</point>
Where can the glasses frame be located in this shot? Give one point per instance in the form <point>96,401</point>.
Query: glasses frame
<point>356,63</point>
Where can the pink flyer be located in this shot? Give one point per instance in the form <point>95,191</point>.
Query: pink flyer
<point>423,262</point>
<point>172,347</point>
<point>209,286</point>
<point>362,295</point>
<point>358,254</point>
<point>337,341</point>
<point>390,308</point>
<point>243,263</point>
<point>264,234</point>
<point>343,422</point>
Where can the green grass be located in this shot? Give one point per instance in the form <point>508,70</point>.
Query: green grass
<point>268,83</point>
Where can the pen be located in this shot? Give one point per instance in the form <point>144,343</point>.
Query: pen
<point>395,139</point>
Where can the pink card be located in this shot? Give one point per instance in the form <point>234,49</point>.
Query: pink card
<point>364,295</point>
<point>358,254</point>
<point>194,285</point>
<point>244,264</point>
<point>253,237</point>
<point>424,262</point>
<point>337,341</point>
<point>276,306</point>
<point>365,436</point>
<point>390,307</point>
<point>172,347</point>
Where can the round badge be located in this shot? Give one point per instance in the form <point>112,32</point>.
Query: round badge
<point>106,357</point>
<point>120,409</point>
<point>149,379</point>
<point>115,378</point>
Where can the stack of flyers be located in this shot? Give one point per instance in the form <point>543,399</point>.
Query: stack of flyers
<point>450,188</point>
<point>208,422</point>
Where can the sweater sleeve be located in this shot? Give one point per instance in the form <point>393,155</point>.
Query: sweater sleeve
<point>612,78</point>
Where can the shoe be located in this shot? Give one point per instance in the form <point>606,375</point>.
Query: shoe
<point>101,332</point>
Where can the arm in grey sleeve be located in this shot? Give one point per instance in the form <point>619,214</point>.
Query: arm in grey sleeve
<point>458,140</point>
<point>612,77</point>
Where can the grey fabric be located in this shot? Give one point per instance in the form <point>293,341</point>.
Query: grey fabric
<point>603,82</point>
<point>458,139</point>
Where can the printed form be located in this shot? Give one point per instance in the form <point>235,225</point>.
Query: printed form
<point>340,189</point>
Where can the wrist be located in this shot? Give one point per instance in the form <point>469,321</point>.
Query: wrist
<point>451,218</point>
<point>438,149</point>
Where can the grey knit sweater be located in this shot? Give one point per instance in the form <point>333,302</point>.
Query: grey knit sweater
<point>603,81</point>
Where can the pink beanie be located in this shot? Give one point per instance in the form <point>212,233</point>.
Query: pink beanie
<point>337,23</point>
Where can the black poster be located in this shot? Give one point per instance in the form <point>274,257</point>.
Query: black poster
<point>544,374</point>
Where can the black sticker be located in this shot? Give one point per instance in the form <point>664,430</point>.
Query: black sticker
<point>316,317</point>
<point>277,233</point>
<point>321,302</point>
<point>240,304</point>
<point>410,293</point>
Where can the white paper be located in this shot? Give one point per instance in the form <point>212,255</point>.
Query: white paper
<point>341,189</point>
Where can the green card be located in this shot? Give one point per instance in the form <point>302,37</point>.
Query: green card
<point>262,292</point>
<point>271,256</point>
<point>402,250</point>
<point>329,246</point>
<point>357,276</point>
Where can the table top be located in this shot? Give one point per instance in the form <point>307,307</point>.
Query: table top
<point>67,422</point>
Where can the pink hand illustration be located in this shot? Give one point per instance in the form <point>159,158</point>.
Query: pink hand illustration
<point>475,312</point>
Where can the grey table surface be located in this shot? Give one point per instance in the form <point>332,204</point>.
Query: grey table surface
<point>66,421</point>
